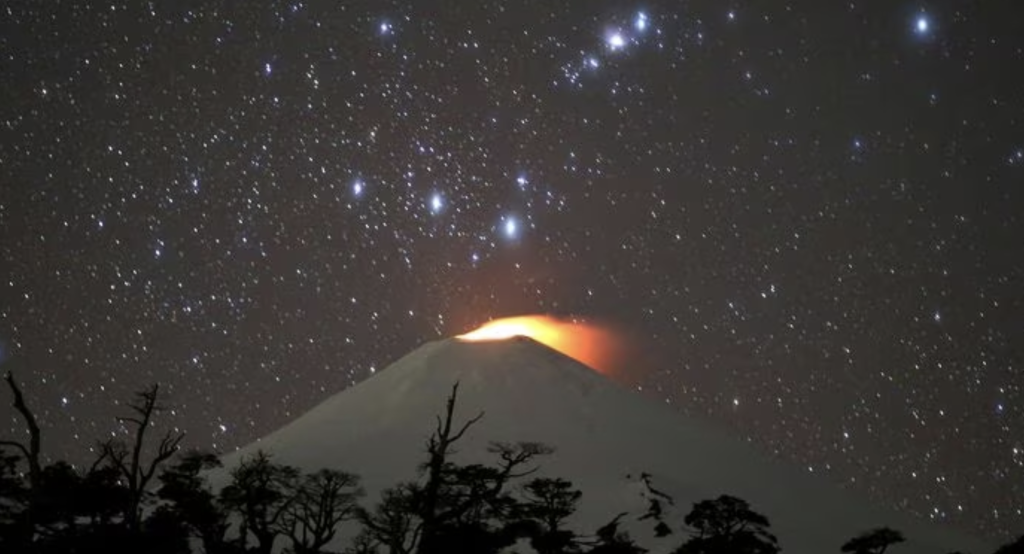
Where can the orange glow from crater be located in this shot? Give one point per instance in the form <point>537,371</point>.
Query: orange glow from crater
<point>587,343</point>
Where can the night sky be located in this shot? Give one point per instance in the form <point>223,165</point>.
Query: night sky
<point>809,214</point>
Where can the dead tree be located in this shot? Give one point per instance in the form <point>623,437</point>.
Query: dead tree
<point>30,452</point>
<point>128,461</point>
<point>439,448</point>
<point>322,502</point>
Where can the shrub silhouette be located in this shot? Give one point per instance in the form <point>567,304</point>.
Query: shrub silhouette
<point>727,525</point>
<point>875,541</point>
<point>1013,547</point>
<point>260,492</point>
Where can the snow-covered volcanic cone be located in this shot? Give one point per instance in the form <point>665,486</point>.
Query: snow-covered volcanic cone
<point>605,437</point>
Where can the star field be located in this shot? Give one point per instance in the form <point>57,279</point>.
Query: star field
<point>810,213</point>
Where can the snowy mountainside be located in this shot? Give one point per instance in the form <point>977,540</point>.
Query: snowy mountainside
<point>617,447</point>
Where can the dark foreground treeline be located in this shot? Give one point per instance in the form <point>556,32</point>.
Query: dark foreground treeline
<point>142,495</point>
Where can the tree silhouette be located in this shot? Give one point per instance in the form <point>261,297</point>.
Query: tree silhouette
<point>13,498</point>
<point>128,460</point>
<point>548,503</point>
<point>439,448</point>
<point>1013,547</point>
<point>30,451</point>
<point>875,541</point>
<point>322,501</point>
<point>453,507</point>
<point>260,492</point>
<point>64,509</point>
<point>611,540</point>
<point>77,512</point>
<point>727,525</point>
<point>18,531</point>
<point>188,500</point>
<point>393,523</point>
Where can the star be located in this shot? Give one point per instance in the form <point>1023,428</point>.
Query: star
<point>616,41</point>
<point>640,23</point>
<point>511,227</point>
<point>922,25</point>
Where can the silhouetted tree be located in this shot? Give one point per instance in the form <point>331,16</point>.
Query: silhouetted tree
<point>454,507</point>
<point>477,509</point>
<point>548,503</point>
<point>394,524</point>
<point>439,448</point>
<point>76,512</point>
<point>128,460</point>
<point>102,496</point>
<point>875,541</point>
<point>611,540</point>
<point>18,531</point>
<point>30,451</point>
<point>322,501</point>
<point>164,532</point>
<point>473,508</point>
<point>727,525</point>
<point>261,493</point>
<point>63,509</point>
<point>1013,547</point>
<point>188,500</point>
<point>363,543</point>
<point>13,498</point>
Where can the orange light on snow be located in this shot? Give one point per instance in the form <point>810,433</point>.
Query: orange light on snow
<point>584,342</point>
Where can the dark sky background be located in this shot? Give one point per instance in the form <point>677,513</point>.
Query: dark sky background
<point>811,213</point>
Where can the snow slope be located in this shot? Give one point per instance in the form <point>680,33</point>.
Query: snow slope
<point>605,436</point>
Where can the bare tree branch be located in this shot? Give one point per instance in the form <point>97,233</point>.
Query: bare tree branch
<point>18,445</point>
<point>128,462</point>
<point>33,449</point>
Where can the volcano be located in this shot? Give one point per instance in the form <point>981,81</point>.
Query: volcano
<point>618,447</point>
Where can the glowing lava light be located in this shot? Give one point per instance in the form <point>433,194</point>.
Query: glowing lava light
<point>584,342</point>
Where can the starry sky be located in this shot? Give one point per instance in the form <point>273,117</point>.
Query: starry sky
<point>811,213</point>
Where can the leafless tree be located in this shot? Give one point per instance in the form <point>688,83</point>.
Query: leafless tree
<point>136,473</point>
<point>30,451</point>
<point>261,492</point>
<point>323,501</point>
<point>439,449</point>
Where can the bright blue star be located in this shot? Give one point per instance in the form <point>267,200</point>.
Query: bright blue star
<point>357,188</point>
<point>511,227</point>
<point>640,22</point>
<point>385,28</point>
<point>616,41</point>
<point>436,203</point>
<point>922,25</point>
